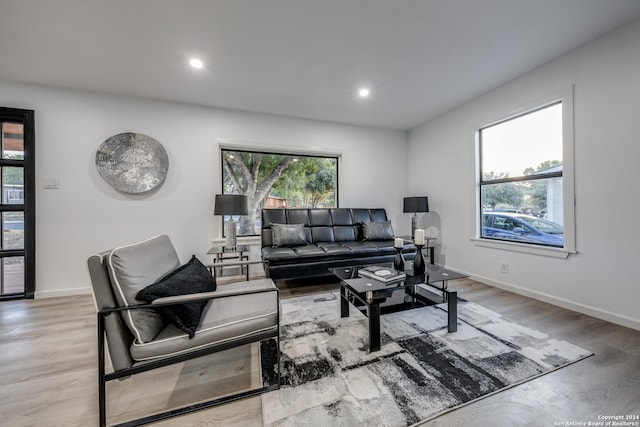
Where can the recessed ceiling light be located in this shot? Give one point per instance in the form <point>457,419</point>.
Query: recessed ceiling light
<point>363,92</point>
<point>196,63</point>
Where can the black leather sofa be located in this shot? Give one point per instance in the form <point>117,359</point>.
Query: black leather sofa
<point>331,238</point>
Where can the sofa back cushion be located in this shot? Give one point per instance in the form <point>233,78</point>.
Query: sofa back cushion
<point>297,216</point>
<point>345,233</point>
<point>321,225</point>
<point>341,217</point>
<point>322,234</point>
<point>131,269</point>
<point>320,218</point>
<point>377,215</point>
<point>360,215</point>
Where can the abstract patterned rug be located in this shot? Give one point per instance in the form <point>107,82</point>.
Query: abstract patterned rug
<point>420,372</point>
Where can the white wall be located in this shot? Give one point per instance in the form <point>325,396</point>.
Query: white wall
<point>87,215</point>
<point>602,278</point>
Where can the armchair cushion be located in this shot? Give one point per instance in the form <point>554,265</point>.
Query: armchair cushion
<point>190,278</point>
<point>131,269</point>
<point>224,318</point>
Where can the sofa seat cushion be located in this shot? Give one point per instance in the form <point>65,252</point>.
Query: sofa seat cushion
<point>328,251</point>
<point>362,247</point>
<point>308,251</point>
<point>275,254</point>
<point>330,248</point>
<point>324,259</point>
<point>384,246</point>
<point>223,320</point>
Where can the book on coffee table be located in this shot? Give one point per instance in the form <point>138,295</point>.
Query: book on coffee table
<point>381,274</point>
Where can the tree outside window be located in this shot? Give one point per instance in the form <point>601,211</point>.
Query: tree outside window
<point>278,180</point>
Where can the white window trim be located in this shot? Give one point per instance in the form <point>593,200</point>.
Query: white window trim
<point>565,96</point>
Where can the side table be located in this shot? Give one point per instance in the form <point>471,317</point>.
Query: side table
<point>222,253</point>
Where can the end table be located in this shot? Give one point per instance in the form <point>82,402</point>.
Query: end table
<point>222,253</point>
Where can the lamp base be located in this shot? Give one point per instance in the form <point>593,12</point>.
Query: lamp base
<point>230,234</point>
<point>415,224</point>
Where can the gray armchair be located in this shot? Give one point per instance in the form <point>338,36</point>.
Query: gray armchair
<point>138,336</point>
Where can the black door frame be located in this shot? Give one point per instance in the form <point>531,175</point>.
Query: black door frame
<point>27,118</point>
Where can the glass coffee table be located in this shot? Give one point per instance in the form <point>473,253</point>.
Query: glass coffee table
<point>371,293</point>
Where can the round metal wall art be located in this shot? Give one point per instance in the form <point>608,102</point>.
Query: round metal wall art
<point>132,162</point>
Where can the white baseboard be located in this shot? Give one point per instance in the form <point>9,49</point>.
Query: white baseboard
<point>62,293</point>
<point>561,302</point>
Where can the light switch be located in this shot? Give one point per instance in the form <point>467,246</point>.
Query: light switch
<point>51,182</point>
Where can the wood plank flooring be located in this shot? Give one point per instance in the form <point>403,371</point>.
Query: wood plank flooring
<point>48,370</point>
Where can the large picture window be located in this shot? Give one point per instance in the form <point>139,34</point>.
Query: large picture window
<point>523,182</point>
<point>278,180</point>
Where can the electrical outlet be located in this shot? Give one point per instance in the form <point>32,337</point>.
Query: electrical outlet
<point>504,268</point>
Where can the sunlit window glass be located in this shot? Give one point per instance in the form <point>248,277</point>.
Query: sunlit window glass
<point>521,178</point>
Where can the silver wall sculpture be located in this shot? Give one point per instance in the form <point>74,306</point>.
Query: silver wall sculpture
<point>132,162</point>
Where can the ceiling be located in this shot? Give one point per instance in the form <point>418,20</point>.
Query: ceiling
<point>299,58</point>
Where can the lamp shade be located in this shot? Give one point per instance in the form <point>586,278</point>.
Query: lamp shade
<point>416,204</point>
<point>230,204</point>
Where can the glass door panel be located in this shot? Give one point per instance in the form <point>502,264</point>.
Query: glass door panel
<point>12,185</point>
<point>17,206</point>
<point>12,275</point>
<point>12,230</point>
<point>12,141</point>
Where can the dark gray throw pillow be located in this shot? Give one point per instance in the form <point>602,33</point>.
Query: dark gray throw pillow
<point>190,278</point>
<point>377,230</point>
<point>288,235</point>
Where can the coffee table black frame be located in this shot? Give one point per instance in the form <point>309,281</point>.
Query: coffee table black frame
<point>371,293</point>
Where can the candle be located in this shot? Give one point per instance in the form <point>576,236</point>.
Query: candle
<point>419,239</point>
<point>399,242</point>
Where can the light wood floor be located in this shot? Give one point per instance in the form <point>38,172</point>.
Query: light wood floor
<point>48,370</point>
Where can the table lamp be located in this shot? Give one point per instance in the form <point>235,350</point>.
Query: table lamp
<point>228,205</point>
<point>415,205</point>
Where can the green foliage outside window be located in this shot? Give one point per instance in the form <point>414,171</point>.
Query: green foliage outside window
<point>281,180</point>
<point>531,194</point>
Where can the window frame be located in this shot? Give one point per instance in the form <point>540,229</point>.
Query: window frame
<point>28,207</point>
<point>565,97</point>
<point>224,146</point>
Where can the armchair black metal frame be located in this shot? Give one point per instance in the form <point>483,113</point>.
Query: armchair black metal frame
<point>111,328</point>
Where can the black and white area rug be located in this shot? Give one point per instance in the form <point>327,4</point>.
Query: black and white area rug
<point>420,372</point>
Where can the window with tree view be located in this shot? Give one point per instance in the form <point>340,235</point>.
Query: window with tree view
<point>275,180</point>
<point>521,178</point>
